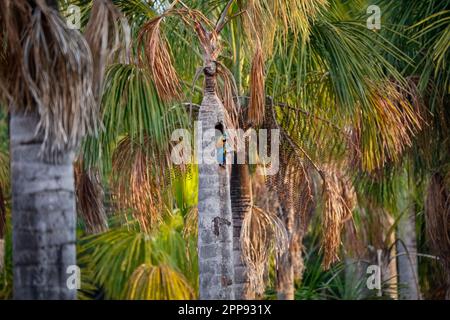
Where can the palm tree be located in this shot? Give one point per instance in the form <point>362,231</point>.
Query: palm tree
<point>340,101</point>
<point>425,28</point>
<point>52,107</point>
<point>406,237</point>
<point>323,113</point>
<point>314,72</point>
<point>301,64</point>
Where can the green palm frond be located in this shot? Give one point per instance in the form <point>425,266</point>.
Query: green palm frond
<point>121,262</point>
<point>131,107</point>
<point>339,76</point>
<point>150,282</point>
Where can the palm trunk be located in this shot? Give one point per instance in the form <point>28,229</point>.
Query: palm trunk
<point>356,278</point>
<point>285,267</point>
<point>2,228</point>
<point>389,265</point>
<point>43,216</point>
<point>215,230</point>
<point>241,202</point>
<point>407,257</point>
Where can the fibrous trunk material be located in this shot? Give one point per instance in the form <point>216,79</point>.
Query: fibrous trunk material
<point>241,202</point>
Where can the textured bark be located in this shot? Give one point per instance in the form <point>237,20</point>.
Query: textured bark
<point>241,202</point>
<point>215,230</point>
<point>43,216</point>
<point>407,257</point>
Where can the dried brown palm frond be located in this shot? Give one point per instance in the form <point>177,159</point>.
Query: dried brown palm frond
<point>259,25</point>
<point>354,244</point>
<point>155,55</point>
<point>191,223</point>
<point>14,17</point>
<point>262,197</point>
<point>332,223</point>
<point>191,17</point>
<point>54,78</point>
<point>294,190</point>
<point>228,93</point>
<point>257,101</point>
<point>108,36</point>
<point>338,204</point>
<point>437,217</point>
<point>304,203</point>
<point>261,232</point>
<point>293,186</point>
<point>90,198</point>
<point>137,190</point>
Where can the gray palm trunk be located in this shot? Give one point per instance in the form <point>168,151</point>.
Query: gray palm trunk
<point>241,202</point>
<point>215,229</point>
<point>43,216</point>
<point>407,257</point>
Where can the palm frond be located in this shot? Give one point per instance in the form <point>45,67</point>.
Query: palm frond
<point>108,34</point>
<point>338,201</point>
<point>227,91</point>
<point>137,188</point>
<point>150,282</point>
<point>261,231</point>
<point>158,60</point>
<point>54,78</point>
<point>122,262</point>
<point>131,106</point>
<point>257,101</point>
<point>266,17</point>
<point>14,17</point>
<point>90,198</point>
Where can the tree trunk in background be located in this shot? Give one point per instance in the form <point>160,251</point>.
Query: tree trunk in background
<point>215,230</point>
<point>285,268</point>
<point>356,278</point>
<point>297,256</point>
<point>241,203</point>
<point>356,262</point>
<point>43,216</point>
<point>301,225</point>
<point>407,256</point>
<point>389,264</point>
<point>2,228</point>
